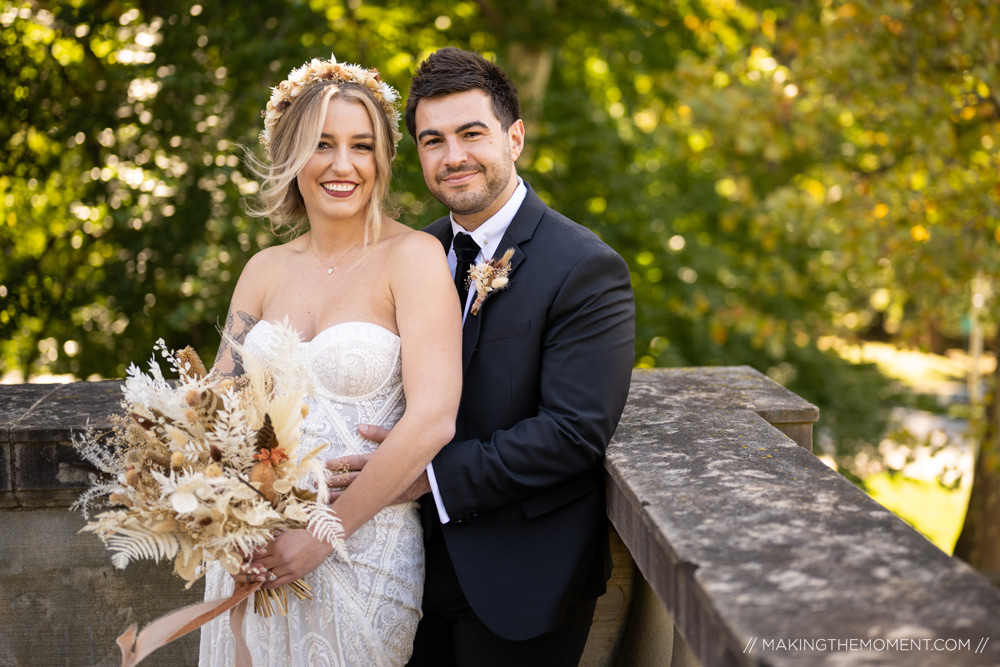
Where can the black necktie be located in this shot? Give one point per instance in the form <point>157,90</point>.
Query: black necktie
<point>466,251</point>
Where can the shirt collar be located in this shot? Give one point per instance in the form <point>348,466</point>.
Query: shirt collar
<point>489,234</point>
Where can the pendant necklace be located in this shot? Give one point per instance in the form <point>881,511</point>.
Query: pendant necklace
<point>330,267</point>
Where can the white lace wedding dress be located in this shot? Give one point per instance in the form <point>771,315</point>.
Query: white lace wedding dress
<point>364,612</point>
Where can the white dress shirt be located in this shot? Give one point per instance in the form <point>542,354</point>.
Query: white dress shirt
<point>487,236</point>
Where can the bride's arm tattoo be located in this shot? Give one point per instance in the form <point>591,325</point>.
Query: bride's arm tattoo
<point>237,332</point>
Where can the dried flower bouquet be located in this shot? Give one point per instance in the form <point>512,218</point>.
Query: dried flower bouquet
<point>206,469</point>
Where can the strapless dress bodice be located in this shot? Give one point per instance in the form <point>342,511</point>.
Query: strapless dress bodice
<point>354,375</point>
<point>351,360</point>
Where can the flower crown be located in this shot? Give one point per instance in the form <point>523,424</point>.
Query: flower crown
<point>285,92</point>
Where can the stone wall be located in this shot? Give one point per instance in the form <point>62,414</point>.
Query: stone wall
<point>729,526</point>
<point>764,556</point>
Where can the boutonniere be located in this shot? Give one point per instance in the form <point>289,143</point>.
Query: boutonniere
<point>489,277</point>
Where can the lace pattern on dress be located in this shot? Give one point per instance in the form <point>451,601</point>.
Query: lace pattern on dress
<point>365,611</point>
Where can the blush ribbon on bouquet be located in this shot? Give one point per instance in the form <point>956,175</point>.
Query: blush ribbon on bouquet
<point>162,631</point>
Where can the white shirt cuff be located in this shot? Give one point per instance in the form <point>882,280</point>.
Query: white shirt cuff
<point>432,480</point>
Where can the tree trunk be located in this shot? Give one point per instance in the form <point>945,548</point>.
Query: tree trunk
<point>531,70</point>
<point>979,542</point>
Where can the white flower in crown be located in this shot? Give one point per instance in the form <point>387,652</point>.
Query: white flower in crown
<point>285,92</point>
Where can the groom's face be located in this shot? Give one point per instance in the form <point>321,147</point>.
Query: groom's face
<point>467,157</point>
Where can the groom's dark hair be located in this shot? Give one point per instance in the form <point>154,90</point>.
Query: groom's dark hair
<point>451,70</point>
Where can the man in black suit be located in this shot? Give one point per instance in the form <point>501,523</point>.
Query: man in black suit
<point>515,524</point>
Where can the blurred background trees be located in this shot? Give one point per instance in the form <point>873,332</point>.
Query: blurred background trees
<point>780,176</point>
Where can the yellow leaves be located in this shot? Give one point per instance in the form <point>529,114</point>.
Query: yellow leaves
<point>767,26</point>
<point>101,48</point>
<point>933,211</point>
<point>881,210</point>
<point>67,52</point>
<point>719,333</point>
<point>726,187</point>
<point>918,180</point>
<point>645,361</point>
<point>920,234</point>
<point>645,120</point>
<point>880,299</point>
<point>816,190</point>
<point>847,11</point>
<point>701,302</point>
<point>597,66</point>
<point>698,141</point>
<point>894,26</point>
<point>543,164</point>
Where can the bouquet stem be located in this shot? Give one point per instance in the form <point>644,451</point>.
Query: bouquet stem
<point>264,597</point>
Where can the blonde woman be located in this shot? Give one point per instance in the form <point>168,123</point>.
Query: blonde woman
<point>374,304</point>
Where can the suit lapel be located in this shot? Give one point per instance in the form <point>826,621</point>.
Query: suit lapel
<point>520,230</point>
<point>441,229</point>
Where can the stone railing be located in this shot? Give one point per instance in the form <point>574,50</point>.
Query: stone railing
<point>728,525</point>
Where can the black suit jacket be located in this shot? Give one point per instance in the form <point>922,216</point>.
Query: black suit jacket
<point>547,364</point>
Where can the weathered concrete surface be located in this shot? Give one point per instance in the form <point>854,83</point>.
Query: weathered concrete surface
<point>36,422</point>
<point>742,534</point>
<point>756,548</point>
<point>63,603</point>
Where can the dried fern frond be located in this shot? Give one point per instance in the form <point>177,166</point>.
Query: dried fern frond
<point>325,526</point>
<point>129,544</point>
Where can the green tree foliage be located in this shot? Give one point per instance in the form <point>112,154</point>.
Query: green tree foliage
<point>773,172</point>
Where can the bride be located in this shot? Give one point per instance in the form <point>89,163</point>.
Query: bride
<point>375,306</point>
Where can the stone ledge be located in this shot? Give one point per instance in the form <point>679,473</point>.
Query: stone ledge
<point>64,603</point>
<point>742,533</point>
<point>720,387</point>
<point>37,467</point>
<point>746,537</point>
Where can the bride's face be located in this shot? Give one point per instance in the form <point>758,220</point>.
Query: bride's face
<point>337,182</point>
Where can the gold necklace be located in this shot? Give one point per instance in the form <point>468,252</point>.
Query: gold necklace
<point>331,267</point>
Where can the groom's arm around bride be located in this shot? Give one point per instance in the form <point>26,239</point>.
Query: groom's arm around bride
<point>516,530</point>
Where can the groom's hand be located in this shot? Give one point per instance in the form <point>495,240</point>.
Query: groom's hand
<point>373,433</point>
<point>343,471</point>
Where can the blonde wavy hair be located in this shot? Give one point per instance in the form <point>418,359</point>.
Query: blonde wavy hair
<point>293,143</point>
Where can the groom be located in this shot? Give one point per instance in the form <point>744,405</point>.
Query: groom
<point>515,523</point>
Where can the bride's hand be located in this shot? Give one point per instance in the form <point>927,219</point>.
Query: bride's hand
<point>290,556</point>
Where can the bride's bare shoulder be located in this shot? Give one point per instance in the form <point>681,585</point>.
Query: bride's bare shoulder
<point>267,263</point>
<point>408,244</point>
<point>275,255</point>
